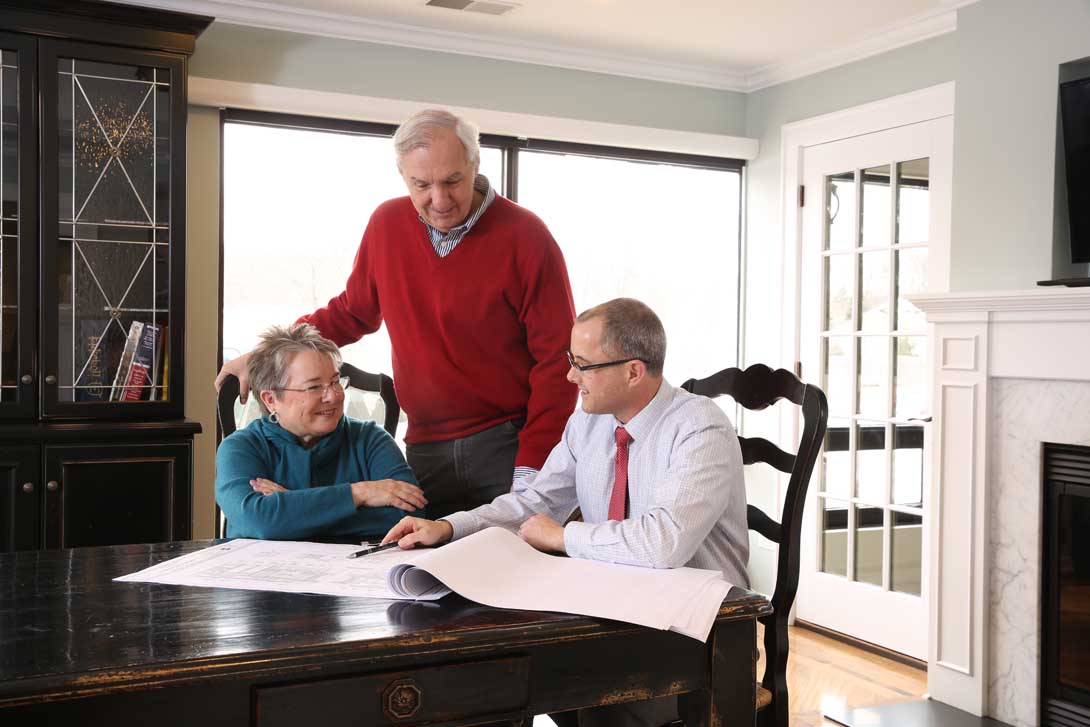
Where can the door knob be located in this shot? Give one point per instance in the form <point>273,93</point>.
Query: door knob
<point>27,379</point>
<point>50,379</point>
<point>52,485</point>
<point>28,487</point>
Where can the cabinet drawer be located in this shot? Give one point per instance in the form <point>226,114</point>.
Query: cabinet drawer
<point>429,694</point>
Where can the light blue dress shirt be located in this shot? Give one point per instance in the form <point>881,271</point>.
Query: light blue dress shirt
<point>686,494</point>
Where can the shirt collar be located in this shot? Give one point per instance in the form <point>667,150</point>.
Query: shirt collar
<point>646,418</point>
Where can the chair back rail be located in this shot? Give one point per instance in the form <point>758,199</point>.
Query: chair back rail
<point>757,388</point>
<point>382,384</point>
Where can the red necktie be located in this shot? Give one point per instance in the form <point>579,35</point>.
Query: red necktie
<point>620,476</point>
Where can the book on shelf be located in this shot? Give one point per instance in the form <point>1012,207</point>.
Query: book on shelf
<point>94,383</point>
<point>156,390</point>
<point>140,368</point>
<point>122,375</point>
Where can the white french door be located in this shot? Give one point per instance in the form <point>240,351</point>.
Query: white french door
<point>876,209</point>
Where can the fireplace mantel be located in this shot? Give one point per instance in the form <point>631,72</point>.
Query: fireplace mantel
<point>976,338</point>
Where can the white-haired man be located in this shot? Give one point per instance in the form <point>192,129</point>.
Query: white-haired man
<point>475,295</point>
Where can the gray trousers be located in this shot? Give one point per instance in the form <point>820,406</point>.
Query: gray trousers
<point>460,474</point>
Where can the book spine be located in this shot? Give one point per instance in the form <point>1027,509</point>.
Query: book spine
<point>138,376</point>
<point>157,365</point>
<point>125,363</point>
<point>140,368</point>
<point>94,378</point>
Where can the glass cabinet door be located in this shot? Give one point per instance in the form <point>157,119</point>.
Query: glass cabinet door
<point>18,217</point>
<point>111,275</point>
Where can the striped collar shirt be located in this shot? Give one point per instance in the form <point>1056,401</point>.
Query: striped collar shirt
<point>444,242</point>
<point>686,494</point>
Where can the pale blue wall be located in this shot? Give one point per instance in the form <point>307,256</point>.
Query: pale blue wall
<point>1008,58</point>
<point>237,53</point>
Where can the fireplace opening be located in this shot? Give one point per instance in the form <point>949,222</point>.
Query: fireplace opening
<point>1065,584</point>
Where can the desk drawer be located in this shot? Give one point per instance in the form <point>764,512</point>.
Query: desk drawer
<point>429,694</point>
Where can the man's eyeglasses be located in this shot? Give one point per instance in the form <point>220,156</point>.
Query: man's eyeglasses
<point>319,390</point>
<point>581,368</point>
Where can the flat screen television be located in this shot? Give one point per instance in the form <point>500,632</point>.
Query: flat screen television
<point>1075,114</point>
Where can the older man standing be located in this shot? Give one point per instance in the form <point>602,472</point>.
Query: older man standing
<point>475,295</point>
<point>656,471</point>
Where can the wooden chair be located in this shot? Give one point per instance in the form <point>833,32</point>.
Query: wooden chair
<point>757,388</point>
<point>357,379</point>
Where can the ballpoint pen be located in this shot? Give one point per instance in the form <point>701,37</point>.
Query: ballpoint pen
<point>372,549</point>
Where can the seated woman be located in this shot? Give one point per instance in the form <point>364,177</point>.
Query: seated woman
<point>306,471</point>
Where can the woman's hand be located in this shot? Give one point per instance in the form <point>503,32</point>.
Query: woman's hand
<point>266,487</point>
<point>394,493</point>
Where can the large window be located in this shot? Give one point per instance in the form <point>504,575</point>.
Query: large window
<point>658,227</point>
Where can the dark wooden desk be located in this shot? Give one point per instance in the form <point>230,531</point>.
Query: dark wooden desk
<point>79,649</point>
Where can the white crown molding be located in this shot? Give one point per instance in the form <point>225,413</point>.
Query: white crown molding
<point>255,13</point>
<point>264,97</point>
<point>913,30</point>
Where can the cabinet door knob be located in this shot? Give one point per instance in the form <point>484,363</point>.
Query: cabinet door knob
<point>28,487</point>
<point>27,379</point>
<point>52,485</point>
<point>50,379</point>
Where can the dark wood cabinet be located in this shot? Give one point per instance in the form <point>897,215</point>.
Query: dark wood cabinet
<point>92,274</point>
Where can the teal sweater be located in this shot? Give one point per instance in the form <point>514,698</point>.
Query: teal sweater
<point>319,501</point>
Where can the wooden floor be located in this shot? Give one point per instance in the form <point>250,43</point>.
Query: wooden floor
<point>823,673</point>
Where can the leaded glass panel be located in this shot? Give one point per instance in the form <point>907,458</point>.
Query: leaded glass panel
<point>9,226</point>
<point>114,231</point>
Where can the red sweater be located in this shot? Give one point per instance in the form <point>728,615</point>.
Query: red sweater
<point>479,336</point>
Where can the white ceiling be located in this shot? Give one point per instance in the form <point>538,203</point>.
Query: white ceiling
<point>735,44</point>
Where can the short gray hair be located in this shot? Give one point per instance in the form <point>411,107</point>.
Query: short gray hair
<point>277,348</point>
<point>630,329</point>
<point>419,129</point>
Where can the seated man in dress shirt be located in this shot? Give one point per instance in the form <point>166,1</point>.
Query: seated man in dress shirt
<point>684,503</point>
<point>656,471</point>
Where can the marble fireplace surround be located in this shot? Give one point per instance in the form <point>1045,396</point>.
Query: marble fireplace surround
<point>1009,370</point>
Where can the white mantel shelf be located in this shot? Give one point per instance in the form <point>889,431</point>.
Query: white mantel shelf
<point>1004,301</point>
<point>978,338</point>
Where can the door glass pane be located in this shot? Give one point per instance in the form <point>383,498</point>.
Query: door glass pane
<point>910,376</point>
<point>839,287</point>
<point>114,231</point>
<point>908,465</point>
<point>834,540</point>
<point>838,459</point>
<point>9,225</point>
<point>911,278</point>
<point>840,211</point>
<point>868,545</point>
<point>874,303</point>
<point>877,221</point>
<point>838,374</point>
<point>913,201</point>
<point>874,375</point>
<point>906,558</point>
<point>870,462</point>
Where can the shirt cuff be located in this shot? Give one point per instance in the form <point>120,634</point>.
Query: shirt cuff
<point>577,539</point>
<point>462,524</point>
<point>523,471</point>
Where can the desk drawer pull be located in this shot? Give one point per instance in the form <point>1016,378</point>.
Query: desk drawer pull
<point>402,699</point>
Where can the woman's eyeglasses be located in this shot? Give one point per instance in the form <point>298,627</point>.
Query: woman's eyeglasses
<point>319,390</point>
